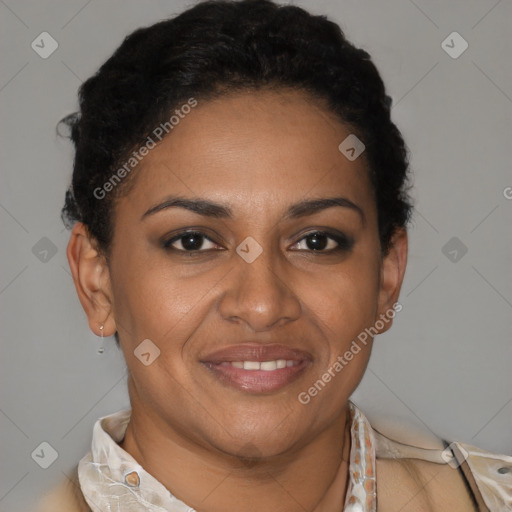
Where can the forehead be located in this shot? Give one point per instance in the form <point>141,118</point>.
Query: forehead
<point>252,149</point>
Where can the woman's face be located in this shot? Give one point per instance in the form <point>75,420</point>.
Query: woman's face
<point>249,286</point>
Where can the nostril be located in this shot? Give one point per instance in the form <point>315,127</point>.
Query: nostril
<point>504,470</point>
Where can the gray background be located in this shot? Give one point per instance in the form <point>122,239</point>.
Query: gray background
<point>443,369</point>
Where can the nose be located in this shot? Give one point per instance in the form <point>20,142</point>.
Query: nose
<point>260,293</point>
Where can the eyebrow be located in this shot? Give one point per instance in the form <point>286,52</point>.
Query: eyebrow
<point>211,209</point>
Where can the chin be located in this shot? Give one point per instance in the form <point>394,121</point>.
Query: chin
<point>255,440</point>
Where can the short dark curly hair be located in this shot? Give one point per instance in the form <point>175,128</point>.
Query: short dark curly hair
<point>211,49</point>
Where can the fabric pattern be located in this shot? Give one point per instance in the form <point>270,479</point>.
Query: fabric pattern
<point>362,490</point>
<point>492,474</point>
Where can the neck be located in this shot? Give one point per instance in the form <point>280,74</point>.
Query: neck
<point>313,478</point>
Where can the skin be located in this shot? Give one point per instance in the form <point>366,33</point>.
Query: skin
<point>215,447</point>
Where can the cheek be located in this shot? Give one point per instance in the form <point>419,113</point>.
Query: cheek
<point>157,302</point>
<point>343,308</point>
<point>345,301</point>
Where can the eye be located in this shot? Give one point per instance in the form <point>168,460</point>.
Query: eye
<point>190,241</point>
<point>316,241</point>
<point>323,241</point>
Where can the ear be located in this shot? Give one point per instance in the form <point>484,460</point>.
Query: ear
<point>391,277</point>
<point>91,276</point>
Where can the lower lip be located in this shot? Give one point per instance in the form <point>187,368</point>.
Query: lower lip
<point>257,381</point>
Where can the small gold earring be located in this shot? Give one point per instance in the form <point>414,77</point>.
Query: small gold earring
<point>101,349</point>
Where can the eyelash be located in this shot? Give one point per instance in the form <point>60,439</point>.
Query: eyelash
<point>344,243</point>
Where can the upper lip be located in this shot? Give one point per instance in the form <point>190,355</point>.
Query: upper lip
<point>256,352</point>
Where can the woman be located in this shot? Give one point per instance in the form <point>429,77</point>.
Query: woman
<point>239,206</point>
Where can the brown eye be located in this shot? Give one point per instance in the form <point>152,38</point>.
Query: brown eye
<point>190,241</point>
<point>323,241</point>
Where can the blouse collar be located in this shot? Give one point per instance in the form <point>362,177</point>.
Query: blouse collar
<point>113,481</point>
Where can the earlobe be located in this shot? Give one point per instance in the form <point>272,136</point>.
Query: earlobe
<point>392,275</point>
<point>91,277</point>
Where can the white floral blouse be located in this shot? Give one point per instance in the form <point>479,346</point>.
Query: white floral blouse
<point>112,480</point>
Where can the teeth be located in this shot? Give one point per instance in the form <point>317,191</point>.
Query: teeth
<point>264,365</point>
<point>268,365</point>
<point>251,365</point>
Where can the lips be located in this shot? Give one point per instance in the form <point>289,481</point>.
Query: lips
<point>256,352</point>
<point>257,368</point>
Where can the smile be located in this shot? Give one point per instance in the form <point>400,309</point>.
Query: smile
<point>256,368</point>
<point>266,366</point>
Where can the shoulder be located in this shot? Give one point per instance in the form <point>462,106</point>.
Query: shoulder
<point>66,496</point>
<point>414,485</point>
<point>429,475</point>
